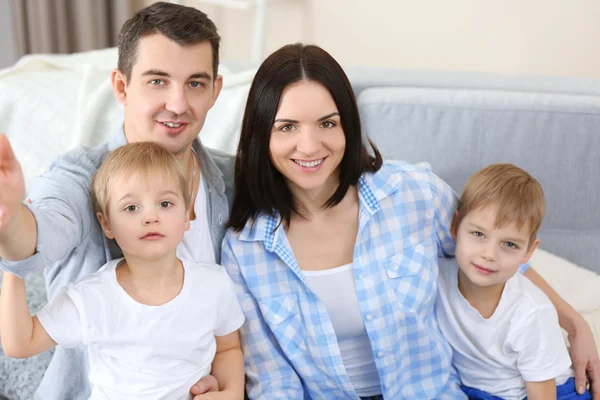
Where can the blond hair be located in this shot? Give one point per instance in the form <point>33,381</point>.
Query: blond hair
<point>144,159</point>
<point>515,195</point>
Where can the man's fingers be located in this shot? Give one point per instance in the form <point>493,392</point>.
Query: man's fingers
<point>207,384</point>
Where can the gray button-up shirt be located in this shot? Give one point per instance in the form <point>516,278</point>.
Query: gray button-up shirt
<point>71,244</point>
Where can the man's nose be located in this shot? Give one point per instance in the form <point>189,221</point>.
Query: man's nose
<point>177,101</point>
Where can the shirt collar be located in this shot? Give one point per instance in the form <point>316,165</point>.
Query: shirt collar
<point>372,188</point>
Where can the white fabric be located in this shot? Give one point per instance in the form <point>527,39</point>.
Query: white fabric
<point>197,245</point>
<point>51,103</point>
<point>138,351</point>
<point>576,285</point>
<point>520,342</point>
<point>336,289</point>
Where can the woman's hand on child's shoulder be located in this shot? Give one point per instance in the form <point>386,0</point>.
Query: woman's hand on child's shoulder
<point>586,362</point>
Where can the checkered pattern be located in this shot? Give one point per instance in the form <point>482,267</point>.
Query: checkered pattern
<point>288,339</point>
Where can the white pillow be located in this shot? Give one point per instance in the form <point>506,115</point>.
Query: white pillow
<point>577,285</point>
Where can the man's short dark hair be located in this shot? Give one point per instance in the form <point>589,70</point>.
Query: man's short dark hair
<point>184,25</point>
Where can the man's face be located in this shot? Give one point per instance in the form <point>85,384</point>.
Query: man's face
<point>169,93</point>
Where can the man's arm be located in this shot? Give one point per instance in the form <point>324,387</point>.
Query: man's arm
<point>545,390</point>
<point>228,368</point>
<point>584,353</point>
<point>48,229</point>
<point>18,233</point>
<point>22,335</point>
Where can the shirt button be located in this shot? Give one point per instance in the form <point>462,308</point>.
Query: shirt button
<point>360,276</point>
<point>369,317</point>
<point>380,354</point>
<point>386,385</point>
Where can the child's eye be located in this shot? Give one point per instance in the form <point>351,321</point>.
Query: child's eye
<point>328,124</point>
<point>131,208</point>
<point>478,234</point>
<point>165,204</point>
<point>511,245</point>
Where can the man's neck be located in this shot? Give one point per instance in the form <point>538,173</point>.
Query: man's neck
<point>484,299</point>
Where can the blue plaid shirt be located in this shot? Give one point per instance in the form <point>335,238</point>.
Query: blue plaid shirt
<point>288,339</point>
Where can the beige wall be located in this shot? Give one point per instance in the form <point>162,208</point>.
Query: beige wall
<point>552,37</point>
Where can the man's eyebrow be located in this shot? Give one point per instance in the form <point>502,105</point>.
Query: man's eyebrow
<point>201,75</point>
<point>157,72</point>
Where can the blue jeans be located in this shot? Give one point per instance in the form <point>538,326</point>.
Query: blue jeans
<point>566,391</point>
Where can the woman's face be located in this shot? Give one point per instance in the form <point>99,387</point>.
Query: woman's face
<point>307,140</point>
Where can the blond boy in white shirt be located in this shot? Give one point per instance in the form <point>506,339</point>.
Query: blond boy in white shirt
<point>504,331</point>
<point>153,324</point>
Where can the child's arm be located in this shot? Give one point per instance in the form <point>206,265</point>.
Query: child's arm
<point>228,368</point>
<point>545,390</point>
<point>22,335</point>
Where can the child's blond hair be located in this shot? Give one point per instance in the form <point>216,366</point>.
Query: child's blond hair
<point>142,160</point>
<point>515,195</point>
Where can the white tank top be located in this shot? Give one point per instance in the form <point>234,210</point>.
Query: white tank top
<point>336,289</point>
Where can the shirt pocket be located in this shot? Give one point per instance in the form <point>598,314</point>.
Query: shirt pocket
<point>410,279</point>
<point>407,263</point>
<point>282,314</point>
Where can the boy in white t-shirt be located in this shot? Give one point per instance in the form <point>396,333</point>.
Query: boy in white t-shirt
<point>153,324</point>
<point>504,331</point>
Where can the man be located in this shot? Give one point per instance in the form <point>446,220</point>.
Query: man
<point>167,81</point>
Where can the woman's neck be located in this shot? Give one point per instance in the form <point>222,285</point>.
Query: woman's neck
<point>311,202</point>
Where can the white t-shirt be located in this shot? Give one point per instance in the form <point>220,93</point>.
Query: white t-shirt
<point>336,288</point>
<point>522,340</point>
<point>197,245</point>
<point>146,352</point>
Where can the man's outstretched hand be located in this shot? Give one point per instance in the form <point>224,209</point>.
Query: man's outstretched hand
<point>12,184</point>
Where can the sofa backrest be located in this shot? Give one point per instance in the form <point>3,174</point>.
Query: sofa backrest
<point>555,137</point>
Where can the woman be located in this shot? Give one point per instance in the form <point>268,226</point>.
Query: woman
<point>333,252</point>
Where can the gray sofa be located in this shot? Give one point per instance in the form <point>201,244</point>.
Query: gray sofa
<point>460,122</point>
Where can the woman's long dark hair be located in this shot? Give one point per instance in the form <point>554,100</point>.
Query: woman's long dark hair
<point>259,186</point>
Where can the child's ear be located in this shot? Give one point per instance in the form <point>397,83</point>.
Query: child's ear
<point>530,251</point>
<point>453,227</point>
<point>105,225</point>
